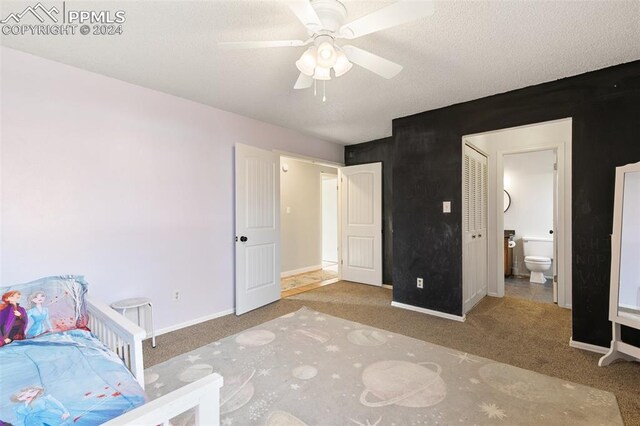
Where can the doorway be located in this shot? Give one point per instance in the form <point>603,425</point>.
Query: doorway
<point>259,225</point>
<point>553,135</point>
<point>529,180</point>
<point>308,225</point>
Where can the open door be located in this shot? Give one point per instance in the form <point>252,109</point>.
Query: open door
<point>257,228</point>
<point>361,223</point>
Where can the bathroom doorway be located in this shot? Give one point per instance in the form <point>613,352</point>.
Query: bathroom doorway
<point>529,224</point>
<point>547,136</point>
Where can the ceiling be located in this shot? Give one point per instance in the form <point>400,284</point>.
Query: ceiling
<point>466,50</point>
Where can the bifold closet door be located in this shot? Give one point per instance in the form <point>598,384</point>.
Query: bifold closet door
<point>474,227</point>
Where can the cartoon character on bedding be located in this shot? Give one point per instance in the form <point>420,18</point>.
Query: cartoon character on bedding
<point>34,408</point>
<point>38,315</point>
<point>13,318</point>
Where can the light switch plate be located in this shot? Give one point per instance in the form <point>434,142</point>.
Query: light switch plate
<point>446,207</point>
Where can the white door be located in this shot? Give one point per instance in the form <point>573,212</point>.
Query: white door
<point>361,223</point>
<point>474,227</point>
<point>257,228</point>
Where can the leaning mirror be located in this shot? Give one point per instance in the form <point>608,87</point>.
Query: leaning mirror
<point>507,200</point>
<point>629,279</point>
<point>624,301</point>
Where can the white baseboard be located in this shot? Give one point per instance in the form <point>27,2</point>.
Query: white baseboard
<point>390,287</point>
<point>300,271</point>
<point>192,322</point>
<point>430,312</point>
<point>588,347</point>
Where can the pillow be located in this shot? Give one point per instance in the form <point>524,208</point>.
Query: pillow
<point>46,305</point>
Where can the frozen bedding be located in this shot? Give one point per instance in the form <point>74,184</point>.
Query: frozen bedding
<point>66,377</point>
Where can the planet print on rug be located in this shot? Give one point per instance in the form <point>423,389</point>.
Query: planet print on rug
<point>195,372</point>
<point>255,338</point>
<point>281,418</point>
<point>236,392</point>
<point>304,372</point>
<point>309,336</point>
<point>366,337</point>
<point>297,370</point>
<point>403,383</point>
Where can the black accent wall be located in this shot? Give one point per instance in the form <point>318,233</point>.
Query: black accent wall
<point>426,158</point>
<point>380,150</point>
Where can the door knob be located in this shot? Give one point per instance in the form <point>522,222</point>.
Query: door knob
<point>243,239</point>
<point>551,231</point>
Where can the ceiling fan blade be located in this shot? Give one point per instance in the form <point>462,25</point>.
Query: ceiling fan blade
<point>374,63</point>
<point>261,44</point>
<point>303,82</point>
<point>397,13</point>
<point>305,13</point>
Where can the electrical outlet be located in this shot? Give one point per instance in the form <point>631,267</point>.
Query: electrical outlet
<point>420,282</point>
<point>176,295</point>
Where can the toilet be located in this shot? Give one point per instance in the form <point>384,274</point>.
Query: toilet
<point>538,253</point>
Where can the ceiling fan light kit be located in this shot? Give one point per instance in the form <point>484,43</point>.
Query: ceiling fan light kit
<point>307,62</point>
<point>325,22</point>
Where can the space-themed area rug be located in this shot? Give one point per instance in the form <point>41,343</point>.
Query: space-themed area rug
<point>309,368</point>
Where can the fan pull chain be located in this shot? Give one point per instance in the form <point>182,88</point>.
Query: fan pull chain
<point>324,90</point>
<point>314,87</point>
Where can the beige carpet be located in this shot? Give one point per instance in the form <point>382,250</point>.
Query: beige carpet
<point>518,332</point>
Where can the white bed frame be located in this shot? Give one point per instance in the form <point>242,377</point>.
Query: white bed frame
<point>125,339</point>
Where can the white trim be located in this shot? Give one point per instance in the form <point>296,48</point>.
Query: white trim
<point>390,287</point>
<point>194,322</point>
<point>293,272</point>
<point>307,159</point>
<point>429,312</point>
<point>587,347</point>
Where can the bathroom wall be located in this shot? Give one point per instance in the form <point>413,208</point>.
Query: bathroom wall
<point>528,178</point>
<point>301,216</point>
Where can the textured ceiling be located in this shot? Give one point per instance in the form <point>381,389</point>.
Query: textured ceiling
<point>465,51</point>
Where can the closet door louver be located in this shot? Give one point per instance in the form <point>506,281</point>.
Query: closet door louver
<point>466,191</point>
<point>474,210</point>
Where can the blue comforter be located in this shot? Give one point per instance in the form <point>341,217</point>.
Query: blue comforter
<point>64,378</point>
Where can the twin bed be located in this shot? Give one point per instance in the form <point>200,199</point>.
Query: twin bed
<point>86,367</point>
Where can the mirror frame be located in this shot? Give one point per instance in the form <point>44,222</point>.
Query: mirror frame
<point>506,201</point>
<point>616,244</point>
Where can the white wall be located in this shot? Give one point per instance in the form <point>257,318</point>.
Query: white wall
<point>528,178</point>
<point>330,219</point>
<point>301,215</point>
<point>550,135</point>
<point>130,187</point>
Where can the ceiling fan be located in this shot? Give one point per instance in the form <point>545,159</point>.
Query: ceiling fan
<point>325,23</point>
